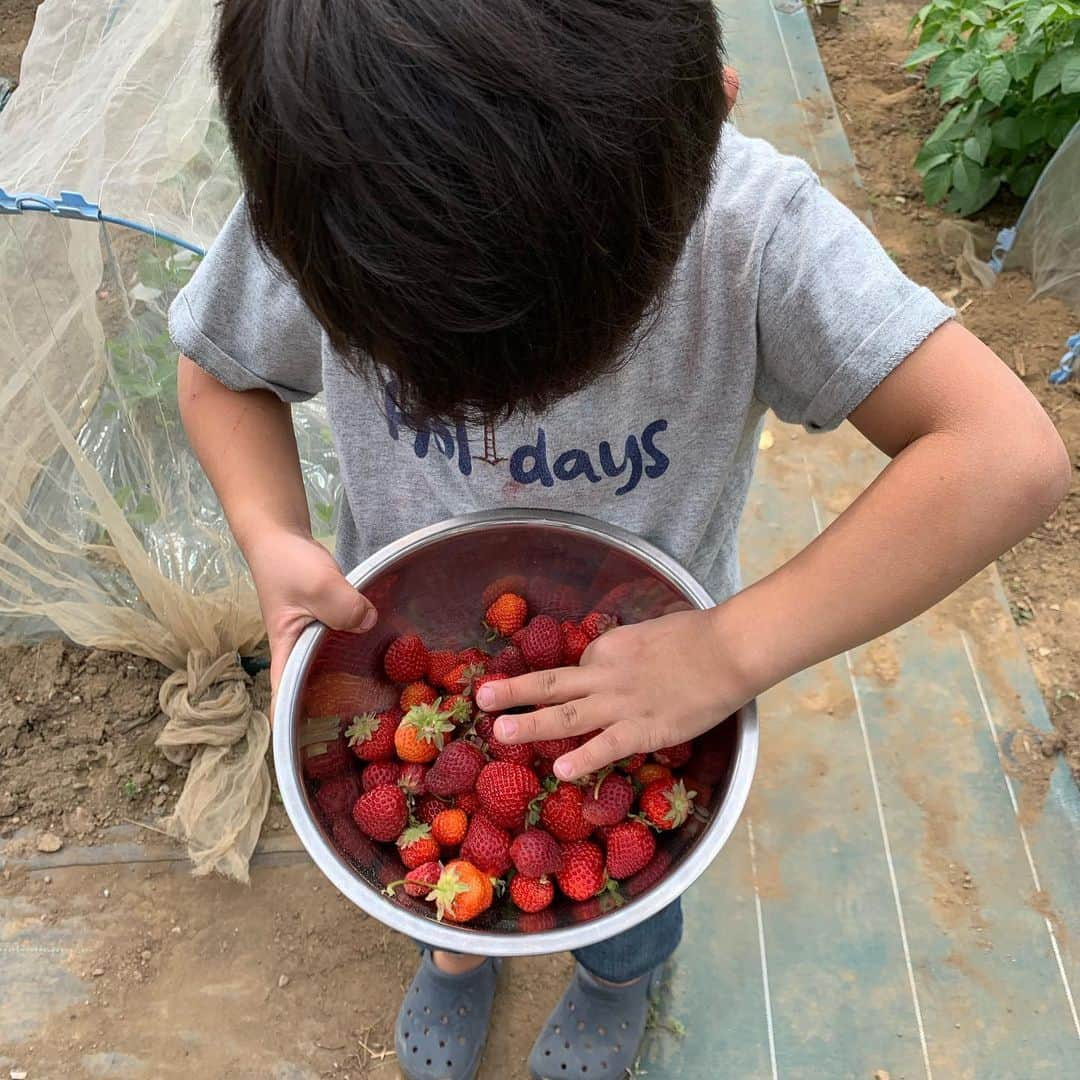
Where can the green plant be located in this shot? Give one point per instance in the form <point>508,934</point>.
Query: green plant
<point>130,790</point>
<point>1010,70</point>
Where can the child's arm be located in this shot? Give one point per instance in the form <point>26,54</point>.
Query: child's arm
<point>976,466</point>
<point>245,443</point>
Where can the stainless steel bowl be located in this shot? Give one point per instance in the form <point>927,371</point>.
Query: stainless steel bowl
<point>430,581</point>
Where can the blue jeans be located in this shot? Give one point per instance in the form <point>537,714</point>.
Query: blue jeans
<point>629,955</point>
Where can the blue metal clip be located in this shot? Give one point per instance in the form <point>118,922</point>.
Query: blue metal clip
<point>1064,371</point>
<point>70,205</point>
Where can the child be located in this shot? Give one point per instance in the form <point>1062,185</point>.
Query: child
<point>524,225</point>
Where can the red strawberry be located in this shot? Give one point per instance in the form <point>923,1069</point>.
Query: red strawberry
<point>555,748</point>
<point>371,736</point>
<point>380,772</point>
<point>536,922</point>
<point>667,803</point>
<point>511,583</point>
<point>417,846</point>
<point>506,615</point>
<point>634,761</point>
<point>449,827</point>
<point>406,659</point>
<point>609,801</point>
<point>413,778</point>
<point>455,769</point>
<point>420,880</point>
<point>509,662</point>
<point>602,832</point>
<point>505,791</point>
<point>630,846</point>
<point>468,802</point>
<point>483,680</point>
<point>531,894</point>
<point>574,642</point>
<point>545,597</point>
<point>484,725</point>
<point>582,874</point>
<point>325,751</point>
<point>596,623</point>
<point>335,694</point>
<point>544,768</point>
<point>421,734</point>
<point>647,878</point>
<point>650,772</point>
<point>486,846</point>
<point>351,842</point>
<point>462,892</point>
<point>674,757</point>
<point>560,813</point>
<point>417,693</point>
<point>381,813</point>
<point>439,666</point>
<point>540,643</point>
<point>519,753</point>
<point>429,808</point>
<point>535,853</point>
<point>462,679</point>
<point>337,795</point>
<point>458,708</point>
<point>475,656</point>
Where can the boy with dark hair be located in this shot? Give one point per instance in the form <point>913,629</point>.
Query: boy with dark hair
<point>517,248</point>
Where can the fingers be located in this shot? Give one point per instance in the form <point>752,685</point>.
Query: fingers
<point>605,748</point>
<point>537,688</point>
<point>557,722</point>
<point>341,607</point>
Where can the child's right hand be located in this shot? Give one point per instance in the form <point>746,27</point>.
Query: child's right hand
<point>298,581</point>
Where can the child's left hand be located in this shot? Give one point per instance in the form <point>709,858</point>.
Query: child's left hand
<point>639,687</point>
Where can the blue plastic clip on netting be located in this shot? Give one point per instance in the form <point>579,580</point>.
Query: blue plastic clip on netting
<point>1064,371</point>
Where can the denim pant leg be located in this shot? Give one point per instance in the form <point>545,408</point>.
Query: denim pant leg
<point>631,954</point>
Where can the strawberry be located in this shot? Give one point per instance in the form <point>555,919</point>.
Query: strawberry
<point>336,693</point>
<point>630,846</point>
<point>351,842</point>
<point>509,662</point>
<point>462,678</point>
<point>647,878</point>
<point>540,643</point>
<point>458,708</point>
<point>634,761</point>
<point>439,666</point>
<point>582,874</point>
<point>650,772</point>
<point>545,597</point>
<point>555,748</point>
<point>483,680</point>
<point>486,846</point>
<point>324,749</point>
<point>519,753</point>
<point>536,922</point>
<point>468,802</point>
<point>413,778</point>
<point>506,615</point>
<point>420,735</point>
<point>461,893</point>
<point>574,642</point>
<point>475,656</point>
<point>455,769</point>
<point>337,795</point>
<point>505,791</point>
<point>609,801</point>
<point>429,808</point>
<point>484,725</point>
<point>417,846</point>
<point>406,659</point>
<point>531,894</point>
<point>371,735</point>
<point>667,803</point>
<point>511,583</point>
<point>544,768</point>
<point>379,772</point>
<point>381,813</point>
<point>674,757</point>
<point>596,623</point>
<point>608,899</point>
<point>449,827</point>
<point>560,813</point>
<point>419,881</point>
<point>535,853</point>
<point>417,693</point>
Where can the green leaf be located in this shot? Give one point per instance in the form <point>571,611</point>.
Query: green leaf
<point>1006,133</point>
<point>936,184</point>
<point>974,18</point>
<point>1022,62</point>
<point>994,81</point>
<point>966,175</point>
<point>977,146</point>
<point>1022,181</point>
<point>1058,129</point>
<point>939,69</point>
<point>959,76</point>
<point>1070,74</point>
<point>931,156</point>
<point>146,511</point>
<point>948,122</point>
<point>929,50</point>
<point>1049,77</point>
<point>1036,12</point>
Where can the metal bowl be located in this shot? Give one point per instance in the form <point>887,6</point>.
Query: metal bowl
<point>430,582</point>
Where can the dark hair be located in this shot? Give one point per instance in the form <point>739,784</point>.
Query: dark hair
<point>486,197</point>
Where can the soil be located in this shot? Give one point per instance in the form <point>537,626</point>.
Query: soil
<point>16,22</point>
<point>887,115</point>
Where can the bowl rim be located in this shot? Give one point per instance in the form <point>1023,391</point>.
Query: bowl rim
<point>462,938</point>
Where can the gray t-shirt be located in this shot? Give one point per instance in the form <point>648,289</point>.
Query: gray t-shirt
<point>782,299</point>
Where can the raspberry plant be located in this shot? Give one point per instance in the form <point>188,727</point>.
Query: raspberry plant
<point>1010,72</point>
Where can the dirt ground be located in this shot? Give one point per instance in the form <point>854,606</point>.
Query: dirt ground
<point>16,22</point>
<point>887,115</point>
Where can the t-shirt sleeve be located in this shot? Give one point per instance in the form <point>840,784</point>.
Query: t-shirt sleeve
<point>835,313</point>
<point>242,320</point>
